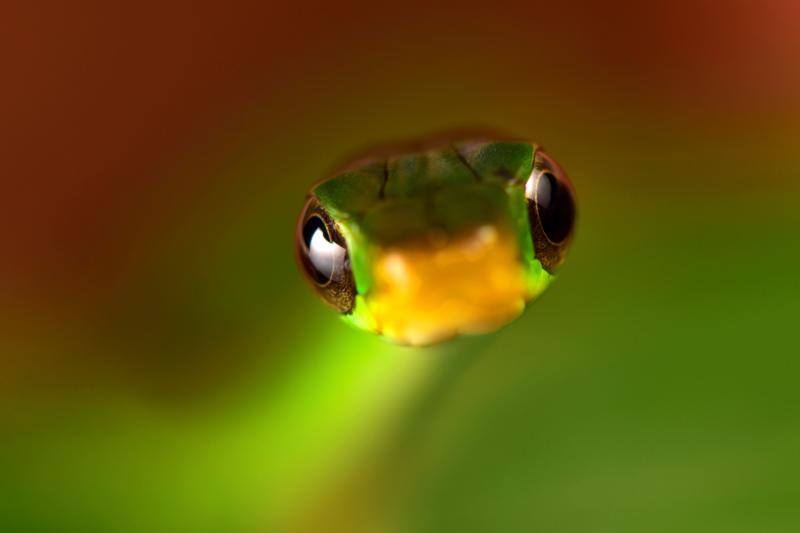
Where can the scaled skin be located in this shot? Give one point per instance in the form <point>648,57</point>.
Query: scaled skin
<point>439,239</point>
<point>426,292</point>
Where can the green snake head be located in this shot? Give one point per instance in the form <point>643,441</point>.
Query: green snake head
<point>426,241</point>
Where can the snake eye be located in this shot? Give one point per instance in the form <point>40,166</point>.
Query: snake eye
<point>322,254</point>
<point>551,210</point>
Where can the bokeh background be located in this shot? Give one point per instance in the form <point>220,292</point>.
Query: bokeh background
<point>164,368</point>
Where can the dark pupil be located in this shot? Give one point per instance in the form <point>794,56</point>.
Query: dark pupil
<point>556,207</point>
<point>324,257</point>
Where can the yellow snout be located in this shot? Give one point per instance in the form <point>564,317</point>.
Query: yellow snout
<point>429,290</point>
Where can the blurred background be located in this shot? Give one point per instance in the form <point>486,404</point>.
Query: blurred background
<point>163,367</point>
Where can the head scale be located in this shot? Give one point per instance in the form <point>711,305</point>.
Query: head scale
<point>426,242</point>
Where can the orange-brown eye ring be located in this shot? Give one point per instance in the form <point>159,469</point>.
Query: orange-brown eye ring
<point>551,210</point>
<point>322,253</point>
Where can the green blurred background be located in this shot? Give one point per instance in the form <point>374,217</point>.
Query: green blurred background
<point>164,368</point>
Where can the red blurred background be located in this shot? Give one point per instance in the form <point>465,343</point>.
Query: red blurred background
<point>101,103</point>
<point>98,99</point>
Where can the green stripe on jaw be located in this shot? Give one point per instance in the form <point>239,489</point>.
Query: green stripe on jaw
<point>537,278</point>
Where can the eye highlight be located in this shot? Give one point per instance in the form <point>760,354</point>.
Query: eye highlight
<point>324,255</point>
<point>322,252</point>
<point>551,210</point>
